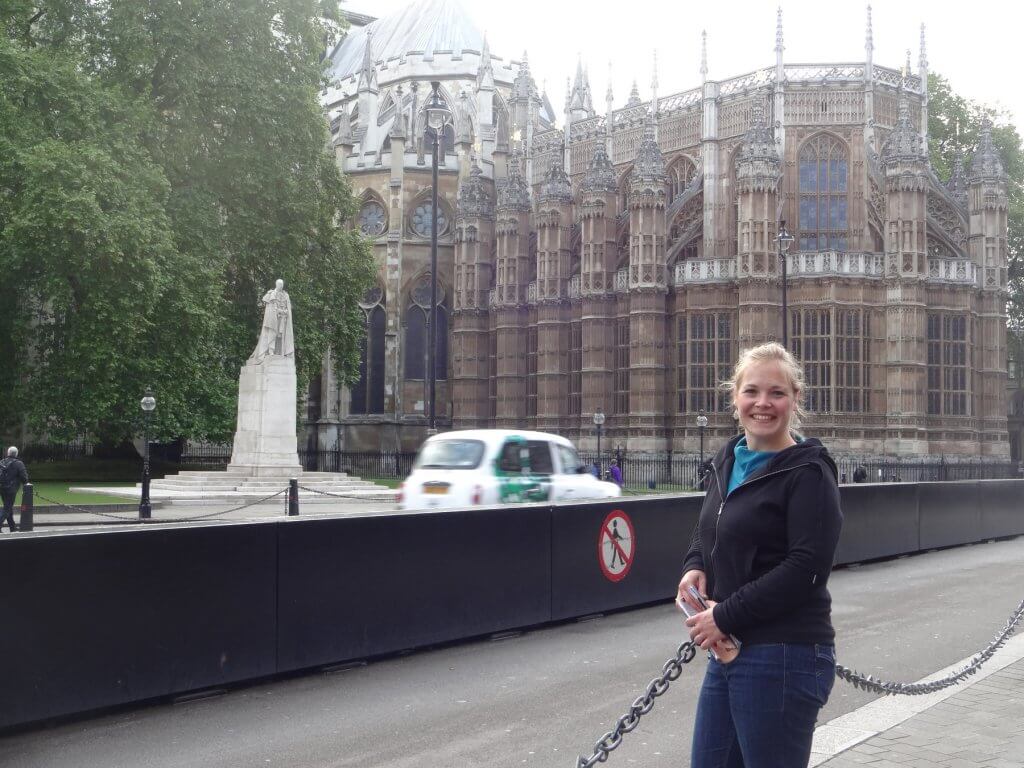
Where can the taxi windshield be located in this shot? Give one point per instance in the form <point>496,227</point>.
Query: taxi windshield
<point>450,454</point>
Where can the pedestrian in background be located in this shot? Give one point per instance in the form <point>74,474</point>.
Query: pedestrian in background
<point>761,557</point>
<point>614,473</point>
<point>12,476</point>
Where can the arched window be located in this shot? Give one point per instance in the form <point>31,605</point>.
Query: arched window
<point>680,174</point>
<point>416,333</point>
<point>368,392</point>
<point>823,194</point>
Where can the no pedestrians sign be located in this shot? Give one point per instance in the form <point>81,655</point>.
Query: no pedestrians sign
<point>616,545</point>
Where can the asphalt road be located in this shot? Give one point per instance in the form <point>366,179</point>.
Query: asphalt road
<point>539,698</point>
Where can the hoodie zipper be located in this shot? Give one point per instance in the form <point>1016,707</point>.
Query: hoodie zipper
<point>723,496</point>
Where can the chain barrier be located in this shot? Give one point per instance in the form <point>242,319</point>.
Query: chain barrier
<point>673,668</point>
<point>891,688</point>
<point>669,673</point>
<point>337,495</point>
<point>134,519</point>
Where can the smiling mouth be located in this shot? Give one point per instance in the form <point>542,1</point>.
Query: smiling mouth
<point>762,417</point>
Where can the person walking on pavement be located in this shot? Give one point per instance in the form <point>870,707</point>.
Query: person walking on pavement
<point>12,476</point>
<point>615,473</point>
<point>761,557</point>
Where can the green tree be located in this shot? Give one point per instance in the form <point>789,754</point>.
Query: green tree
<point>164,162</point>
<point>953,125</point>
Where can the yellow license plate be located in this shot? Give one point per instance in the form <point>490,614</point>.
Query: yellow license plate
<point>435,489</point>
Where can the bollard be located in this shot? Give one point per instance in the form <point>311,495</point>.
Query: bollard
<point>27,517</point>
<point>293,497</point>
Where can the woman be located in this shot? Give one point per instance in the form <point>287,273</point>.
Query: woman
<point>761,555</point>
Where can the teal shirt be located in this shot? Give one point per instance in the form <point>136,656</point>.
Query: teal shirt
<point>747,463</point>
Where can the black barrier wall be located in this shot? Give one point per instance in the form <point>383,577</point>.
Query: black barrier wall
<point>355,587</point>
<point>99,618</point>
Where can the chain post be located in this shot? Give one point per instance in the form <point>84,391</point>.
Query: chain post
<point>27,520</point>
<point>293,497</point>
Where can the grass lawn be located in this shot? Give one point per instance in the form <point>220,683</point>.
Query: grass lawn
<point>389,482</point>
<point>58,491</point>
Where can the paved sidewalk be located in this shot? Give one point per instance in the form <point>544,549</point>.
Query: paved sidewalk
<point>980,724</point>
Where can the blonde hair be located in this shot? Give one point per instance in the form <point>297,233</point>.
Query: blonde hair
<point>771,352</point>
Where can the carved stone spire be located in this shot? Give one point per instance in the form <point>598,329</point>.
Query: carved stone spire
<point>757,165</point>
<point>654,86</point>
<point>957,184</point>
<point>703,55</point>
<point>485,72</point>
<point>649,167</point>
<point>522,86</point>
<point>608,96</point>
<point>473,198</point>
<point>779,48</point>
<point>904,143</point>
<point>922,59</point>
<point>368,72</point>
<point>600,175</point>
<point>514,195</point>
<point>634,96</point>
<point>986,165</point>
<point>869,39</point>
<point>555,186</point>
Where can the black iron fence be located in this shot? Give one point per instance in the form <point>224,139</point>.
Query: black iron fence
<point>674,471</point>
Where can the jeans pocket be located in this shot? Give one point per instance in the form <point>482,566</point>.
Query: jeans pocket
<point>824,670</point>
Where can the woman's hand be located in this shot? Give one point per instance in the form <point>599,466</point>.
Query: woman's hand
<point>694,578</point>
<point>703,630</point>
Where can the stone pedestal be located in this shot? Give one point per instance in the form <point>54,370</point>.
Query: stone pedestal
<point>265,443</point>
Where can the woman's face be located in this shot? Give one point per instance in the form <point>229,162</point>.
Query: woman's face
<point>765,400</point>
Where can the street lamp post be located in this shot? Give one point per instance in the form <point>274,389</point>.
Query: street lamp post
<point>438,116</point>
<point>702,422</point>
<point>598,421</point>
<point>148,405</point>
<point>784,240</point>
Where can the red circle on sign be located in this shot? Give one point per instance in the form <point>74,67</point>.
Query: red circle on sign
<point>609,548</point>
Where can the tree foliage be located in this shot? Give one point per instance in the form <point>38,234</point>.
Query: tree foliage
<point>161,164</point>
<point>953,126</point>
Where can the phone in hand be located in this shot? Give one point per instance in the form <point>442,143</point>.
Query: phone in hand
<point>725,650</point>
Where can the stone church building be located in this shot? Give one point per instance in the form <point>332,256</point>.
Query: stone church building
<point>617,259</point>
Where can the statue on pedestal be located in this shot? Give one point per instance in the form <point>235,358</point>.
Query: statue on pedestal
<point>276,338</point>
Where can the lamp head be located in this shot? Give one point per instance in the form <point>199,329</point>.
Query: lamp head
<point>598,418</point>
<point>148,403</point>
<point>784,238</point>
<point>438,113</point>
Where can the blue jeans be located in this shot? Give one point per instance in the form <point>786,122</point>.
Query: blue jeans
<point>759,711</point>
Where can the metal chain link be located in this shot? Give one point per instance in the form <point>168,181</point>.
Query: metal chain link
<point>83,510</point>
<point>337,495</point>
<point>670,672</point>
<point>891,688</point>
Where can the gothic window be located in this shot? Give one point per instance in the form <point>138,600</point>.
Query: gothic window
<point>810,335</point>
<point>680,174</point>
<point>368,392</point>
<point>622,366</point>
<point>492,379</point>
<point>853,358</point>
<point>711,350</point>
<point>500,118</point>
<point>575,369</point>
<point>681,388</point>
<point>373,219</point>
<point>416,333</point>
<point>447,141</point>
<point>531,371</point>
<point>947,364</point>
<point>823,195</point>
<point>423,215</point>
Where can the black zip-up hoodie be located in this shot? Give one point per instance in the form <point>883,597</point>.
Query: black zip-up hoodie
<point>767,549</point>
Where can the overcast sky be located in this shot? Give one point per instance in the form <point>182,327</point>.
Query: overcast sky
<point>974,44</point>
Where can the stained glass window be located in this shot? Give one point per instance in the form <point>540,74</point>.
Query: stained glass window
<point>372,219</point>
<point>422,216</point>
<point>823,195</point>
